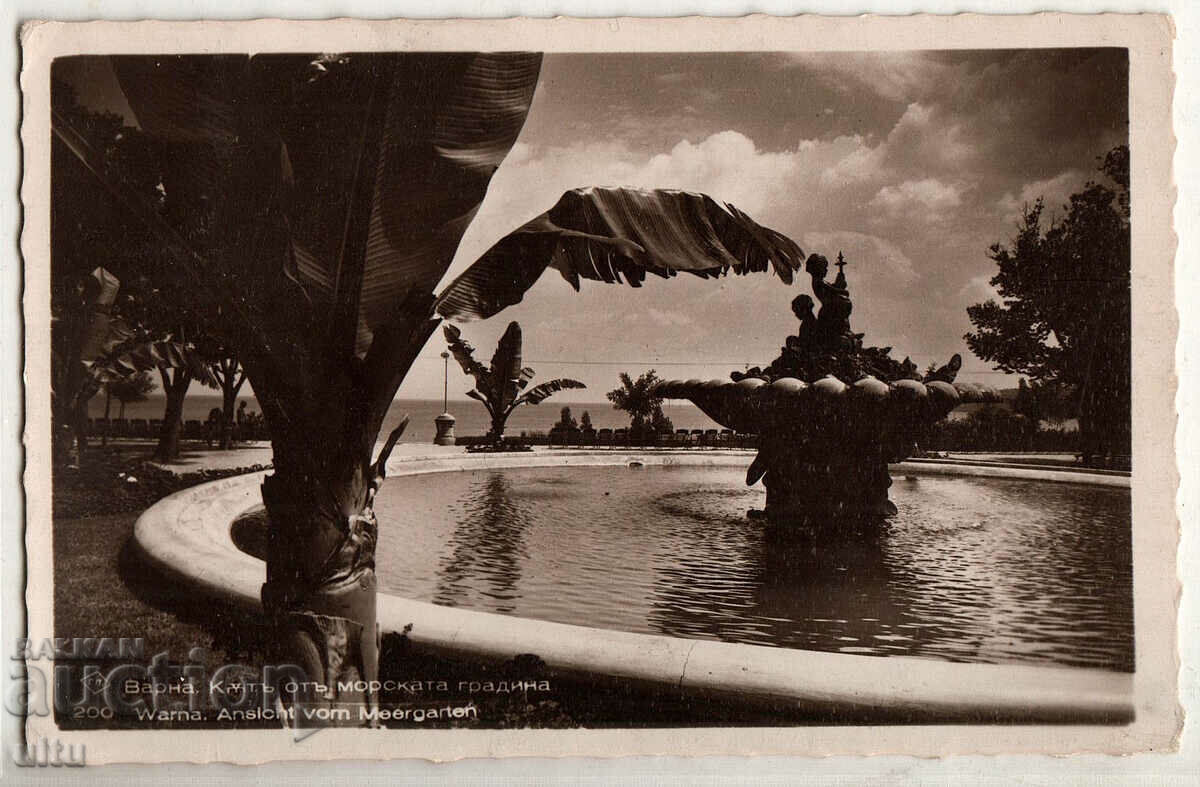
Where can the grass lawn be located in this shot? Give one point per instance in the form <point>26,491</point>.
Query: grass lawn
<point>100,590</point>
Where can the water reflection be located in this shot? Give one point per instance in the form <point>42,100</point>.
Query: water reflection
<point>775,585</point>
<point>488,547</point>
<point>969,570</point>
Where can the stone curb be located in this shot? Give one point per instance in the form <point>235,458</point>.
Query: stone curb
<point>186,536</point>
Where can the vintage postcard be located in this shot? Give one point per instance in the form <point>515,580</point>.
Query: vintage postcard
<point>490,388</point>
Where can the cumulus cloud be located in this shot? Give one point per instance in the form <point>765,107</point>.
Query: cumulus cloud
<point>929,199</point>
<point>880,259</point>
<point>910,163</point>
<point>817,185</point>
<point>1054,192</point>
<point>978,290</point>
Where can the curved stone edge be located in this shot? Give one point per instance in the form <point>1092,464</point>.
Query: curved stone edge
<point>186,537</point>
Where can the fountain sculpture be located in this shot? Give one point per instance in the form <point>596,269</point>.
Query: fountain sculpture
<point>830,414</point>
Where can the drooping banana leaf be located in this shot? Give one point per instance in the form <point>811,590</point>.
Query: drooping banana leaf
<point>617,234</point>
<point>464,353</point>
<point>543,391</point>
<point>477,396</point>
<point>138,353</point>
<point>376,163</point>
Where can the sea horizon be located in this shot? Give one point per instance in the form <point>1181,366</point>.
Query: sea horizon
<point>471,419</point>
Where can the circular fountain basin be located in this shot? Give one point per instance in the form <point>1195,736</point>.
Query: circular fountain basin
<point>187,536</point>
<point>972,569</point>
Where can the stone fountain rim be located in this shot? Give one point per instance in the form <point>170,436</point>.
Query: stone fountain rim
<point>186,536</point>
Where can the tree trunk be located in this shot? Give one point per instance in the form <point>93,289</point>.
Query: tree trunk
<point>107,411</point>
<point>175,390</point>
<point>228,402</point>
<point>231,376</point>
<point>498,422</point>
<point>319,596</point>
<point>321,585</point>
<point>79,430</point>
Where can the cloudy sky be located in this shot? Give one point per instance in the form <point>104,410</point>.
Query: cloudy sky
<point>911,163</point>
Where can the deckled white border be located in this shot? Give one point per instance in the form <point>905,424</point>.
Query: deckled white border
<point>1154,331</point>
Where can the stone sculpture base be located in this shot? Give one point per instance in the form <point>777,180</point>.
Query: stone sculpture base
<point>801,492</point>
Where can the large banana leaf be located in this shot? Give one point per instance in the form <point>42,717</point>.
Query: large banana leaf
<point>613,234</point>
<point>376,162</point>
<point>506,365</point>
<point>540,393</point>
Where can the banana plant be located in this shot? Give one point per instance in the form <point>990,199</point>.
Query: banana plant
<point>339,188</point>
<point>499,386</point>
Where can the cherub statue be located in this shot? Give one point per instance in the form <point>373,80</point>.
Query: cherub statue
<point>833,320</point>
<point>802,307</point>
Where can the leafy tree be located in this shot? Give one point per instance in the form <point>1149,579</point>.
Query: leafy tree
<point>313,202</point>
<point>585,421</point>
<point>998,428</point>
<point>565,419</point>
<point>88,224</point>
<point>90,236</point>
<point>1043,401</point>
<point>134,388</point>
<point>499,386</point>
<point>1064,319</point>
<point>636,397</point>
<point>230,377</point>
<point>168,312</point>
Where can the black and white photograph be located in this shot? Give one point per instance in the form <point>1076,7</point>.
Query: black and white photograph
<point>509,389</point>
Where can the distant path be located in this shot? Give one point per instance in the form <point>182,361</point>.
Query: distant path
<point>195,458</point>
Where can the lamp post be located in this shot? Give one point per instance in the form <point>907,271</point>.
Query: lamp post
<point>445,421</point>
<point>445,381</point>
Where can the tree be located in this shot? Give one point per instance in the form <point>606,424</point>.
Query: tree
<point>1065,316</point>
<point>186,325</point>
<point>499,386</point>
<point>585,422</point>
<point>81,330</point>
<point>636,397</point>
<point>133,388</point>
<point>89,225</point>
<point>1043,400</point>
<point>230,377</point>
<point>335,191</point>
<point>92,345</point>
<point>565,419</point>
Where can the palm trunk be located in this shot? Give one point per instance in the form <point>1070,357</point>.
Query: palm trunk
<point>176,391</point>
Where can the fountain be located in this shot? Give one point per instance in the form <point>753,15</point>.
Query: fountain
<point>830,414</point>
